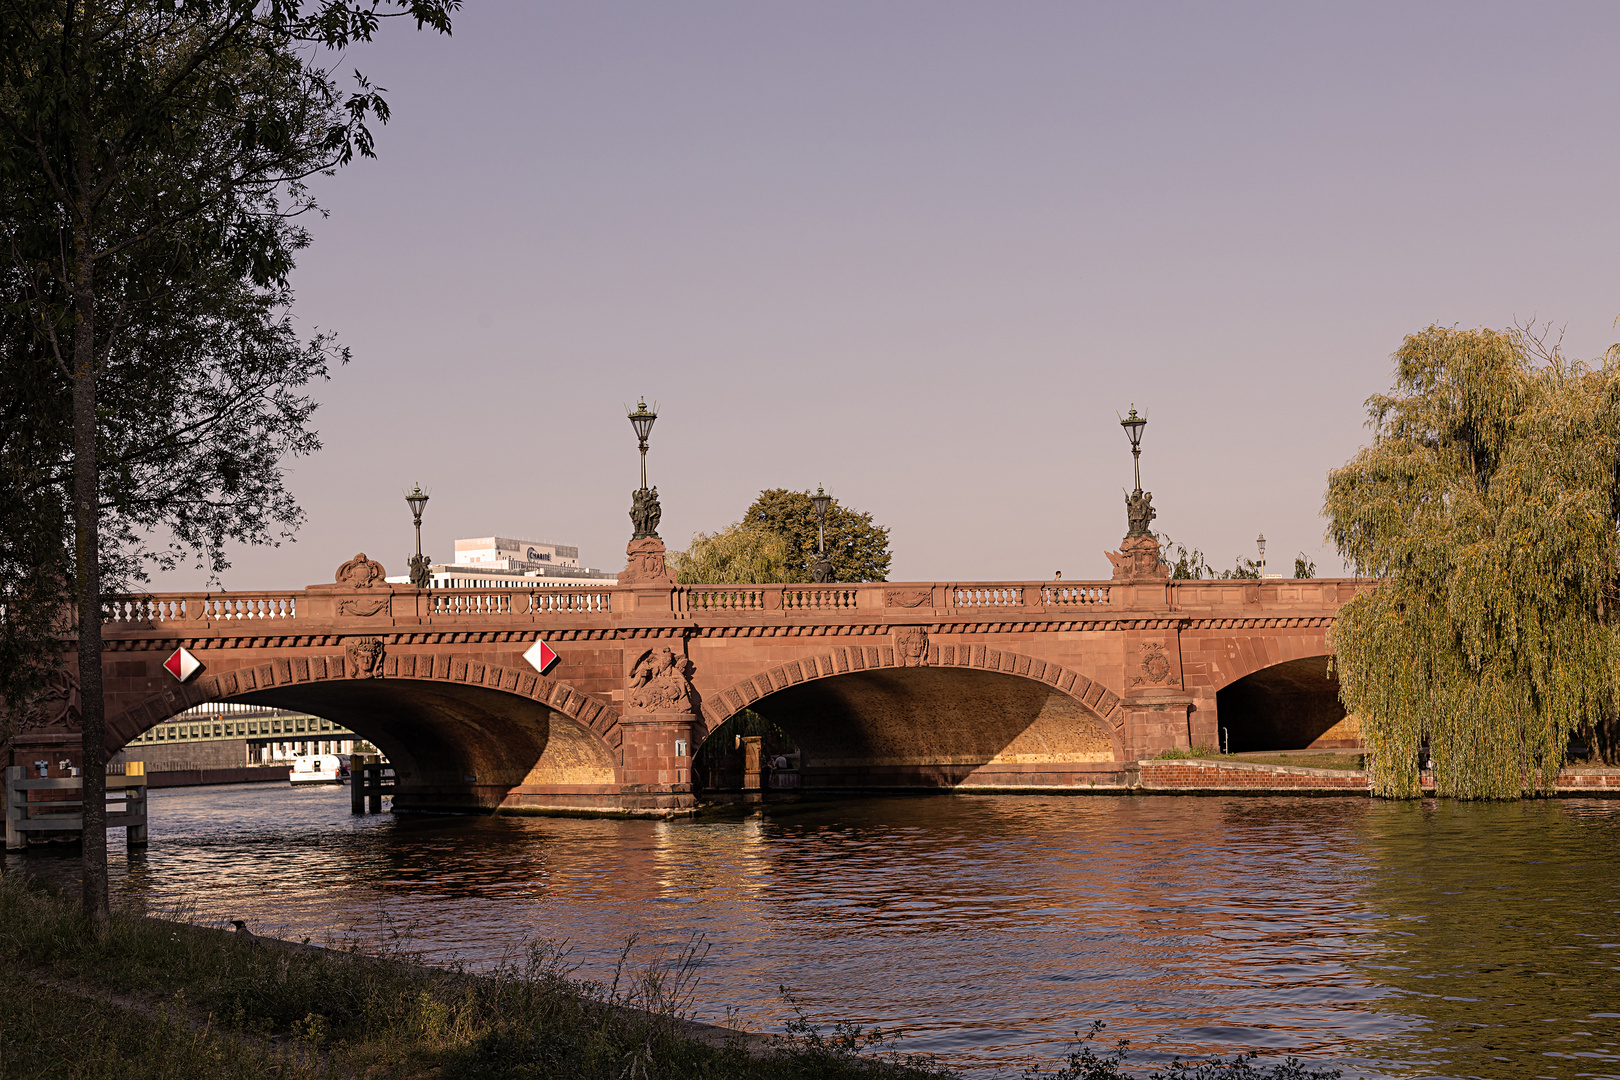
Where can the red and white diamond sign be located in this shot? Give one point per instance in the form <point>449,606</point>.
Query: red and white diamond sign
<point>540,656</point>
<point>181,664</point>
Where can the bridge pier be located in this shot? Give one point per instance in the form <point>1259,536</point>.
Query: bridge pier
<point>657,762</point>
<point>1156,723</point>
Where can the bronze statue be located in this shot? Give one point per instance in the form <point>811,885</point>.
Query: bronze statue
<point>644,513</point>
<point>1139,512</point>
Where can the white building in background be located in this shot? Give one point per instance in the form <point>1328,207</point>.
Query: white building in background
<point>500,553</point>
<point>501,562</point>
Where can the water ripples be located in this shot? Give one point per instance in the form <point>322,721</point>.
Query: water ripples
<point>1389,939</point>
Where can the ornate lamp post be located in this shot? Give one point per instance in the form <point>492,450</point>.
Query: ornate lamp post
<point>417,500</point>
<point>1138,506</point>
<point>1133,426</point>
<point>1138,557</point>
<point>822,572</point>
<point>644,509</point>
<point>1260,542</point>
<point>642,420</point>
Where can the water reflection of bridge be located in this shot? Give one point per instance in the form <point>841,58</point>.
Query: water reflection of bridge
<point>994,685</point>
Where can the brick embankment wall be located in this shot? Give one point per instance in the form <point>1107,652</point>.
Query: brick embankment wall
<point>1197,775</point>
<point>1190,775</point>
<point>242,774</point>
<point>1584,780</point>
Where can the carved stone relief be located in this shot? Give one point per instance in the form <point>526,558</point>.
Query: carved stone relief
<point>363,608</point>
<point>1153,664</point>
<point>911,646</point>
<point>365,656</point>
<point>361,572</point>
<point>646,563</point>
<point>57,707</point>
<point>661,681</point>
<point>908,598</point>
<point>1138,560</point>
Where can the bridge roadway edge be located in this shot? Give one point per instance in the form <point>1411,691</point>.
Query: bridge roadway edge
<point>1141,661</point>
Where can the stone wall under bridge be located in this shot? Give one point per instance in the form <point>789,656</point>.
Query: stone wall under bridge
<point>1004,685</point>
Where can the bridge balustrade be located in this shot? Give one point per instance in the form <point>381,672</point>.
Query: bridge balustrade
<point>973,596</point>
<point>570,601</point>
<point>1234,597</point>
<point>1074,595</point>
<point>719,598</point>
<point>176,608</point>
<point>468,602</point>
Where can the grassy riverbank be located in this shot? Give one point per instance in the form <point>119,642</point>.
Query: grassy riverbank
<point>155,999</point>
<point>163,999</point>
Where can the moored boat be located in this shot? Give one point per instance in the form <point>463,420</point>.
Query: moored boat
<point>315,769</point>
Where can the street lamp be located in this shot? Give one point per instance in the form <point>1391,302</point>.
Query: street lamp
<point>1133,426</point>
<point>644,509</point>
<point>1260,542</point>
<point>417,500</point>
<point>823,568</point>
<point>642,420</point>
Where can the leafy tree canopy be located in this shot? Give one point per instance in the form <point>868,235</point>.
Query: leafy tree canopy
<point>858,548</point>
<point>1488,503</point>
<point>153,162</point>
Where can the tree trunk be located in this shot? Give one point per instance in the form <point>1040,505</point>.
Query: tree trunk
<point>87,549</point>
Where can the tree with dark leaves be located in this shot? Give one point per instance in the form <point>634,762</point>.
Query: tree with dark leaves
<point>858,548</point>
<point>153,167</point>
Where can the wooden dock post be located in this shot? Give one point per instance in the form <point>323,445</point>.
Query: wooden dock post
<point>357,783</point>
<point>134,803</point>
<point>16,808</point>
<point>20,822</point>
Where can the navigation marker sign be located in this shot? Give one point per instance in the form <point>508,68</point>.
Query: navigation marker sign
<point>540,656</point>
<point>181,664</point>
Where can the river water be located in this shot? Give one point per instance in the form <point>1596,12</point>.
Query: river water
<point>1388,939</point>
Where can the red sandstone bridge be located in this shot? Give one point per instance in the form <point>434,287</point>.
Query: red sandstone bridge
<point>1034,685</point>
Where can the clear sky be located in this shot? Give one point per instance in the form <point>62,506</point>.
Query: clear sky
<point>923,253</point>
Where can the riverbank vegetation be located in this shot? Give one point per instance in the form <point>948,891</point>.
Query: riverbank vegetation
<point>154,999</point>
<point>164,998</point>
<point>1488,504</point>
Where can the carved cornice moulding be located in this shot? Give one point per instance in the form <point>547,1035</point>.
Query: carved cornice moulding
<point>1182,623</point>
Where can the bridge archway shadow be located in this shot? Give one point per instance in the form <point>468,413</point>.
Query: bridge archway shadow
<point>933,727</point>
<point>1289,706</point>
<point>453,746</point>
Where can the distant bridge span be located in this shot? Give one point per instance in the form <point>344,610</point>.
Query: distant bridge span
<point>891,685</point>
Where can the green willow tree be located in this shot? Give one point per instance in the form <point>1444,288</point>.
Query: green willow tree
<point>150,152</point>
<point>1488,504</point>
<point>737,555</point>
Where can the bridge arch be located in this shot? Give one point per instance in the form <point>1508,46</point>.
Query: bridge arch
<point>931,716</point>
<point>461,733</point>
<point>1293,704</point>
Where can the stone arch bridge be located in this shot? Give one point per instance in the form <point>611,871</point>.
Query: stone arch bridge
<point>1043,685</point>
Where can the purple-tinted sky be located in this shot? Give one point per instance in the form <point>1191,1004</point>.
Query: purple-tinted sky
<point>923,253</point>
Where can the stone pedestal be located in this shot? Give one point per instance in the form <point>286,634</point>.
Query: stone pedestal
<point>646,565</point>
<point>1138,559</point>
<point>1156,722</point>
<point>657,754</point>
